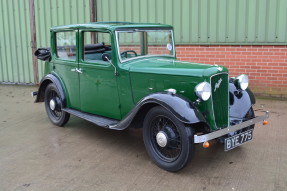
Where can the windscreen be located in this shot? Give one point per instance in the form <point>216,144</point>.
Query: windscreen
<point>139,43</point>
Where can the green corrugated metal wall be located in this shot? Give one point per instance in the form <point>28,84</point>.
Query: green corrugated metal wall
<point>15,49</point>
<point>15,34</point>
<point>206,21</point>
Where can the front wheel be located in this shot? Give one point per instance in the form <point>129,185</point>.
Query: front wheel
<point>54,105</point>
<point>168,142</point>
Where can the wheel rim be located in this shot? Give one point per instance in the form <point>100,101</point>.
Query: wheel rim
<point>54,104</point>
<point>166,139</point>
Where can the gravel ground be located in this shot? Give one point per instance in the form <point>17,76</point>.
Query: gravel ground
<point>36,155</point>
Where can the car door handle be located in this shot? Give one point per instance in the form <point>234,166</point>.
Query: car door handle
<point>79,70</point>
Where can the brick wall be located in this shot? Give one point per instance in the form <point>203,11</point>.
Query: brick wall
<point>266,66</point>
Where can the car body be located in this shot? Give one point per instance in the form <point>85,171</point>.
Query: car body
<point>119,75</point>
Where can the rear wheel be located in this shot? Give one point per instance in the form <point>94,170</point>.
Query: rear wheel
<point>54,105</point>
<point>168,142</point>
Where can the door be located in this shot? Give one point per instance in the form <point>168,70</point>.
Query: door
<point>66,65</point>
<point>98,82</point>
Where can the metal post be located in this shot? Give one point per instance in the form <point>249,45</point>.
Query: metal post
<point>92,19</point>
<point>92,9</point>
<point>33,40</point>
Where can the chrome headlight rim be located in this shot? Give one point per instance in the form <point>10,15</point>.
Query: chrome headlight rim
<point>203,91</point>
<point>241,82</point>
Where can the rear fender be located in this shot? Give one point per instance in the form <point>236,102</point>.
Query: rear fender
<point>50,78</point>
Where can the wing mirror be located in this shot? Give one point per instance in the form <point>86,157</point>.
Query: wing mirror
<point>107,57</point>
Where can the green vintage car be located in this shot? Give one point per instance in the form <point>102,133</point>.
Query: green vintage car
<point>119,75</point>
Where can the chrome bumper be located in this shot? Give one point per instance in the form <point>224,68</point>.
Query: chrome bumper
<point>230,129</point>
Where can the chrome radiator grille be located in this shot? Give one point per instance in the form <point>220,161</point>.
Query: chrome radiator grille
<point>220,99</point>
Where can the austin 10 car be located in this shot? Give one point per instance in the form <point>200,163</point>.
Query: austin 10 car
<point>119,75</point>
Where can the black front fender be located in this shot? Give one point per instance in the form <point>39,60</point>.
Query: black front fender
<point>240,102</point>
<point>180,107</point>
<point>50,78</point>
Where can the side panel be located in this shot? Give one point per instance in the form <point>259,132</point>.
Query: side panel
<point>70,80</point>
<point>144,84</point>
<point>98,82</point>
<point>98,90</point>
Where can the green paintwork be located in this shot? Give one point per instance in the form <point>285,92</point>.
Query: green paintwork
<point>98,90</point>
<point>158,74</point>
<point>98,86</point>
<point>62,68</point>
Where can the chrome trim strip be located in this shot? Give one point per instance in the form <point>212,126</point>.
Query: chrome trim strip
<point>219,133</point>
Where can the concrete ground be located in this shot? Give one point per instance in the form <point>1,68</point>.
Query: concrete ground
<point>36,155</point>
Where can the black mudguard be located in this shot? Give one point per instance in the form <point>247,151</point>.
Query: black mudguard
<point>50,78</point>
<point>240,102</point>
<point>180,107</point>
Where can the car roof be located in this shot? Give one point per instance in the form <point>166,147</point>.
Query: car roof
<point>112,26</point>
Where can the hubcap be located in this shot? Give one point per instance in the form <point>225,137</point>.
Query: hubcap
<point>52,104</point>
<point>161,139</point>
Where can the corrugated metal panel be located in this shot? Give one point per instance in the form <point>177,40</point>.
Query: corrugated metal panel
<point>53,13</point>
<point>206,21</point>
<point>15,60</point>
<point>15,35</point>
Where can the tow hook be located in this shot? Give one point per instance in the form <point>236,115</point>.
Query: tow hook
<point>33,94</point>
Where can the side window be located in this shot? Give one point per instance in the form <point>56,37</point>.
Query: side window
<point>66,45</point>
<point>95,45</point>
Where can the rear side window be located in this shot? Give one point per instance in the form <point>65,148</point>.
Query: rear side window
<point>66,45</point>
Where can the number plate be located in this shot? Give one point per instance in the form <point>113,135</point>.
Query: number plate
<point>237,140</point>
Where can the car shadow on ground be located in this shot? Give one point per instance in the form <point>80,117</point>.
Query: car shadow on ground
<point>132,139</point>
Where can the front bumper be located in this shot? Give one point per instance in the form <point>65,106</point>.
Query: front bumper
<point>230,129</point>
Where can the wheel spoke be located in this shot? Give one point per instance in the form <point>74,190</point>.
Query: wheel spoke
<point>57,112</point>
<point>173,148</point>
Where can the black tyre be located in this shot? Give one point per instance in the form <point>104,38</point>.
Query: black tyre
<point>168,142</point>
<point>54,105</point>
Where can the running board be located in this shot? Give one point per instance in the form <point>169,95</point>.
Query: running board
<point>98,120</point>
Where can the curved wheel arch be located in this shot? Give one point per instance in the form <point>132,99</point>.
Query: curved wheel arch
<point>51,78</point>
<point>179,106</point>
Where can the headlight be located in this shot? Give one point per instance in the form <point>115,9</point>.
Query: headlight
<point>241,82</point>
<point>203,91</point>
